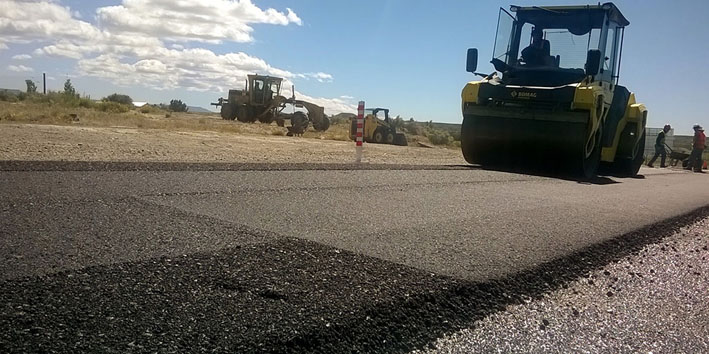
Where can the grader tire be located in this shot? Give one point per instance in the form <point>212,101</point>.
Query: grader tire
<point>242,114</point>
<point>227,112</point>
<point>299,123</point>
<point>323,125</point>
<point>266,118</point>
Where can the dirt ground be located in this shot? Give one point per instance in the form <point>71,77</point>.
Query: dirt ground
<point>84,143</point>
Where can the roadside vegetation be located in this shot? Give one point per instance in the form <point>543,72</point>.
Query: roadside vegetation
<point>117,110</point>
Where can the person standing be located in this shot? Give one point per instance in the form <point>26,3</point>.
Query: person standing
<point>660,147</point>
<point>698,146</point>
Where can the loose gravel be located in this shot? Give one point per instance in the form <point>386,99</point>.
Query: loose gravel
<point>654,301</point>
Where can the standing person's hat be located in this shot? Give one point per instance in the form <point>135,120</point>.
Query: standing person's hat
<point>698,127</point>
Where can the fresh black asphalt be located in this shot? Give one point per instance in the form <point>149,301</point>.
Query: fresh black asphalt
<point>179,258</point>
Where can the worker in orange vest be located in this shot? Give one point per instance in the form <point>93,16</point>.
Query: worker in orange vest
<point>698,146</point>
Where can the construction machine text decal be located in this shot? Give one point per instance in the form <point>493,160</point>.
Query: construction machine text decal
<point>522,94</point>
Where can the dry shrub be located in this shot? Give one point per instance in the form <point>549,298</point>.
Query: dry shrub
<point>150,109</point>
<point>112,107</point>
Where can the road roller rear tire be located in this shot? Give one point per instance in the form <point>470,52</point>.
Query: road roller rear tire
<point>589,164</point>
<point>467,143</point>
<point>631,167</point>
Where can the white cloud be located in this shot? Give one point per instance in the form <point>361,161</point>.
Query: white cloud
<point>320,76</point>
<point>132,44</point>
<point>3,46</point>
<point>332,105</point>
<point>20,68</point>
<point>22,57</point>
<point>22,21</point>
<point>206,20</point>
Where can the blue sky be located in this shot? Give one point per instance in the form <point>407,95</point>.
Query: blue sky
<point>405,55</point>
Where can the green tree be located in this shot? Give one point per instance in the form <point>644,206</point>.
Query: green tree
<point>69,88</point>
<point>31,87</point>
<point>178,106</point>
<point>118,98</point>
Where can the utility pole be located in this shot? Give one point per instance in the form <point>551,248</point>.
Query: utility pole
<point>44,83</point>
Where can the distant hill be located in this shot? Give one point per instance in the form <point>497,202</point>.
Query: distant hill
<point>194,109</point>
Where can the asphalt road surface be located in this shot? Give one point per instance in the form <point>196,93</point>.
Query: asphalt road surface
<point>118,257</point>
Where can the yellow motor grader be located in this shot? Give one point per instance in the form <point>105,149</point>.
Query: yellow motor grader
<point>261,100</point>
<point>554,97</point>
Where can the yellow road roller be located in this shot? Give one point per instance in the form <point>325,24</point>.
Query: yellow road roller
<point>554,99</point>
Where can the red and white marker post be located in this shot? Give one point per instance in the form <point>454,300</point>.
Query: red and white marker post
<point>360,132</point>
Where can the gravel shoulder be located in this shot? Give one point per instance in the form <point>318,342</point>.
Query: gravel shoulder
<point>34,142</point>
<point>653,301</point>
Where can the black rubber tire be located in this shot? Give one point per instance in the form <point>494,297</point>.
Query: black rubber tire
<point>589,165</point>
<point>323,125</point>
<point>631,167</point>
<point>242,114</point>
<point>390,138</point>
<point>378,136</point>
<point>227,112</point>
<point>299,122</point>
<point>466,141</point>
<point>266,118</point>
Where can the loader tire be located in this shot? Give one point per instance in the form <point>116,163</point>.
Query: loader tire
<point>378,136</point>
<point>390,138</point>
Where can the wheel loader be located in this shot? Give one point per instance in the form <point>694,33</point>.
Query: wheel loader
<point>377,130</point>
<point>554,97</point>
<point>261,100</point>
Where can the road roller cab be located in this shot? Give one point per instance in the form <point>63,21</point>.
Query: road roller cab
<point>554,96</point>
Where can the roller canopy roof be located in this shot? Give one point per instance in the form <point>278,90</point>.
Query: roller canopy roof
<point>578,20</point>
